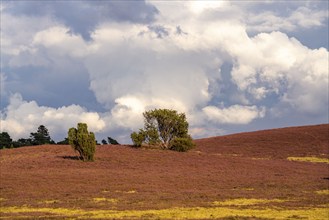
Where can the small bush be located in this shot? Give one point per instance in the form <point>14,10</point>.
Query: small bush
<point>182,144</point>
<point>138,138</point>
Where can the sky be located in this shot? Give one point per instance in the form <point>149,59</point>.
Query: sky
<point>230,66</point>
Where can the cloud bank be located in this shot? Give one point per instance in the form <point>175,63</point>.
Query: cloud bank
<point>82,17</point>
<point>195,57</point>
<point>21,118</point>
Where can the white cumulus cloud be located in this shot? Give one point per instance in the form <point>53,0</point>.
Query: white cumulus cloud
<point>235,114</point>
<point>22,117</point>
<point>302,17</point>
<point>283,66</point>
<point>189,56</point>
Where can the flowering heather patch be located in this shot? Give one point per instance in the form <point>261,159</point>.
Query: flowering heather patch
<point>220,178</point>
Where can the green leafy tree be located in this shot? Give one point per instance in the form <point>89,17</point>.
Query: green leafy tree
<point>83,142</point>
<point>41,136</point>
<point>166,128</point>
<point>5,140</point>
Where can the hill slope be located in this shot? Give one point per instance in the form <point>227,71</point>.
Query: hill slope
<point>275,143</point>
<point>235,176</point>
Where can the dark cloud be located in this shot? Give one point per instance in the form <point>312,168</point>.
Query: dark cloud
<point>63,83</point>
<point>82,17</point>
<point>159,30</point>
<point>179,31</point>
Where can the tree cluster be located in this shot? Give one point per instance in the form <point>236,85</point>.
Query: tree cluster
<point>163,128</point>
<point>40,137</point>
<point>110,141</point>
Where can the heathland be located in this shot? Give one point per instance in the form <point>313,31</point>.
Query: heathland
<point>271,174</point>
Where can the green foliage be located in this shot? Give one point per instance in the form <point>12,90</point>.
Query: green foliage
<point>41,136</point>
<point>104,142</point>
<point>38,138</point>
<point>182,144</point>
<point>82,141</point>
<point>63,142</point>
<point>138,138</point>
<point>5,140</point>
<point>162,127</point>
<point>22,142</point>
<point>112,141</point>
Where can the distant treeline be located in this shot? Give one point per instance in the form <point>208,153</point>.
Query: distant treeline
<point>40,137</point>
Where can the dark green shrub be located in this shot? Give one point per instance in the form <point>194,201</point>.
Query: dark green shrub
<point>112,141</point>
<point>22,142</point>
<point>182,144</point>
<point>83,142</point>
<point>5,140</point>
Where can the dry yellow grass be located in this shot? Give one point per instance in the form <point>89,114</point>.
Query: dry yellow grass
<point>246,202</point>
<point>322,192</point>
<point>309,159</point>
<point>176,213</point>
<point>109,200</point>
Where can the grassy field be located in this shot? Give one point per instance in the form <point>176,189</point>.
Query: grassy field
<point>274,174</point>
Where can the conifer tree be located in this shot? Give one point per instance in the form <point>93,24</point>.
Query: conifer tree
<point>82,141</point>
